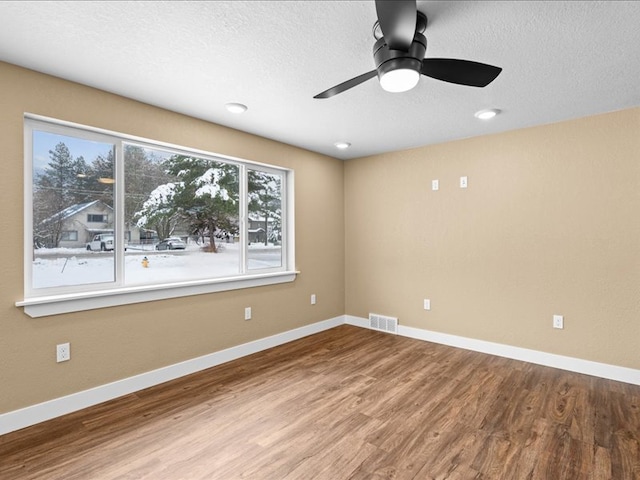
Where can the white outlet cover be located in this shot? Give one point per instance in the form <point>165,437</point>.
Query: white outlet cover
<point>463,182</point>
<point>63,352</point>
<point>427,304</point>
<point>558,321</point>
<point>247,313</point>
<point>313,299</point>
<point>435,185</point>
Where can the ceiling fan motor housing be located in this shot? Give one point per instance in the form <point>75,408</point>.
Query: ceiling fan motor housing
<point>387,59</point>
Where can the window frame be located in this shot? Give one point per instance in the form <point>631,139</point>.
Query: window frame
<point>56,300</point>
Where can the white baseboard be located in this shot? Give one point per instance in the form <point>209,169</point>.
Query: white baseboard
<point>611,372</point>
<point>41,412</point>
<point>357,321</point>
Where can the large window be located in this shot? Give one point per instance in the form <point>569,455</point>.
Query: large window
<point>108,213</point>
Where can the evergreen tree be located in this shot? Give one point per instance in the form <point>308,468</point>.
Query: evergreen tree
<point>62,177</point>
<point>206,196</point>
<point>265,200</point>
<point>61,185</point>
<point>159,211</point>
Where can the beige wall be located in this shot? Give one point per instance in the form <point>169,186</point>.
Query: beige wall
<point>115,343</point>
<point>550,224</point>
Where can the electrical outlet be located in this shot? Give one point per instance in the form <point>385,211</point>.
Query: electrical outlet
<point>427,304</point>
<point>463,182</point>
<point>558,321</point>
<point>247,313</point>
<point>313,299</point>
<point>435,185</point>
<point>63,352</point>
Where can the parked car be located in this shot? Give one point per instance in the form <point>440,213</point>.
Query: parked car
<point>102,242</point>
<point>171,243</point>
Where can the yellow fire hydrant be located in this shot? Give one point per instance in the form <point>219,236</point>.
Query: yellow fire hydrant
<point>145,262</point>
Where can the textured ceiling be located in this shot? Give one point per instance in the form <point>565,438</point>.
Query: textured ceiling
<point>560,60</point>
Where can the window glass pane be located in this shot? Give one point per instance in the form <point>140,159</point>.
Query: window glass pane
<point>96,218</point>
<point>181,215</point>
<point>69,236</point>
<point>72,180</point>
<point>264,232</point>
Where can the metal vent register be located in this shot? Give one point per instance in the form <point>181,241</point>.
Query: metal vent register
<point>382,323</point>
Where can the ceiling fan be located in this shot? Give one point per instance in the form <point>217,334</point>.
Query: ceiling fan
<point>399,54</point>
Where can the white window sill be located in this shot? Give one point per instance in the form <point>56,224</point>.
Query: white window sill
<point>57,304</point>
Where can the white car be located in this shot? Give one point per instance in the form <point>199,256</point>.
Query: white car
<point>102,242</point>
<point>171,243</point>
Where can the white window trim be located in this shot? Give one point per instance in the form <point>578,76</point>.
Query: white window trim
<point>77,302</point>
<point>92,298</point>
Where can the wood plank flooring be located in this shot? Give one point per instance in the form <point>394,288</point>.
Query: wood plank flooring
<point>347,403</point>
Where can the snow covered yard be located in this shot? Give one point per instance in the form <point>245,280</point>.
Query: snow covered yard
<point>64,266</point>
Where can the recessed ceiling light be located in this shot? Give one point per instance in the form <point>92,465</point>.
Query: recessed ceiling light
<point>236,107</point>
<point>342,145</point>
<point>487,114</point>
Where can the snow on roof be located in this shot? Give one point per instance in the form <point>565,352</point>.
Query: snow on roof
<point>68,212</point>
<point>71,211</point>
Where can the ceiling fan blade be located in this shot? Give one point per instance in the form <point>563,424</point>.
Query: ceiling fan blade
<point>397,22</point>
<point>347,85</point>
<point>462,72</point>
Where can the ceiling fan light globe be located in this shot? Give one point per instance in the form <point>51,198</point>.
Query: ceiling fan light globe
<point>399,80</point>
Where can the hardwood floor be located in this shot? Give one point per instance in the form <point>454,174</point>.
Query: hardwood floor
<point>347,403</point>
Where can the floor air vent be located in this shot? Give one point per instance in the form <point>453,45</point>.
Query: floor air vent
<point>382,323</point>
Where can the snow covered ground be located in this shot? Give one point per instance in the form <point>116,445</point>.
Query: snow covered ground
<point>65,267</point>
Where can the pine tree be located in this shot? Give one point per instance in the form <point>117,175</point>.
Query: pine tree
<point>61,185</point>
<point>159,211</point>
<point>206,196</point>
<point>265,200</point>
